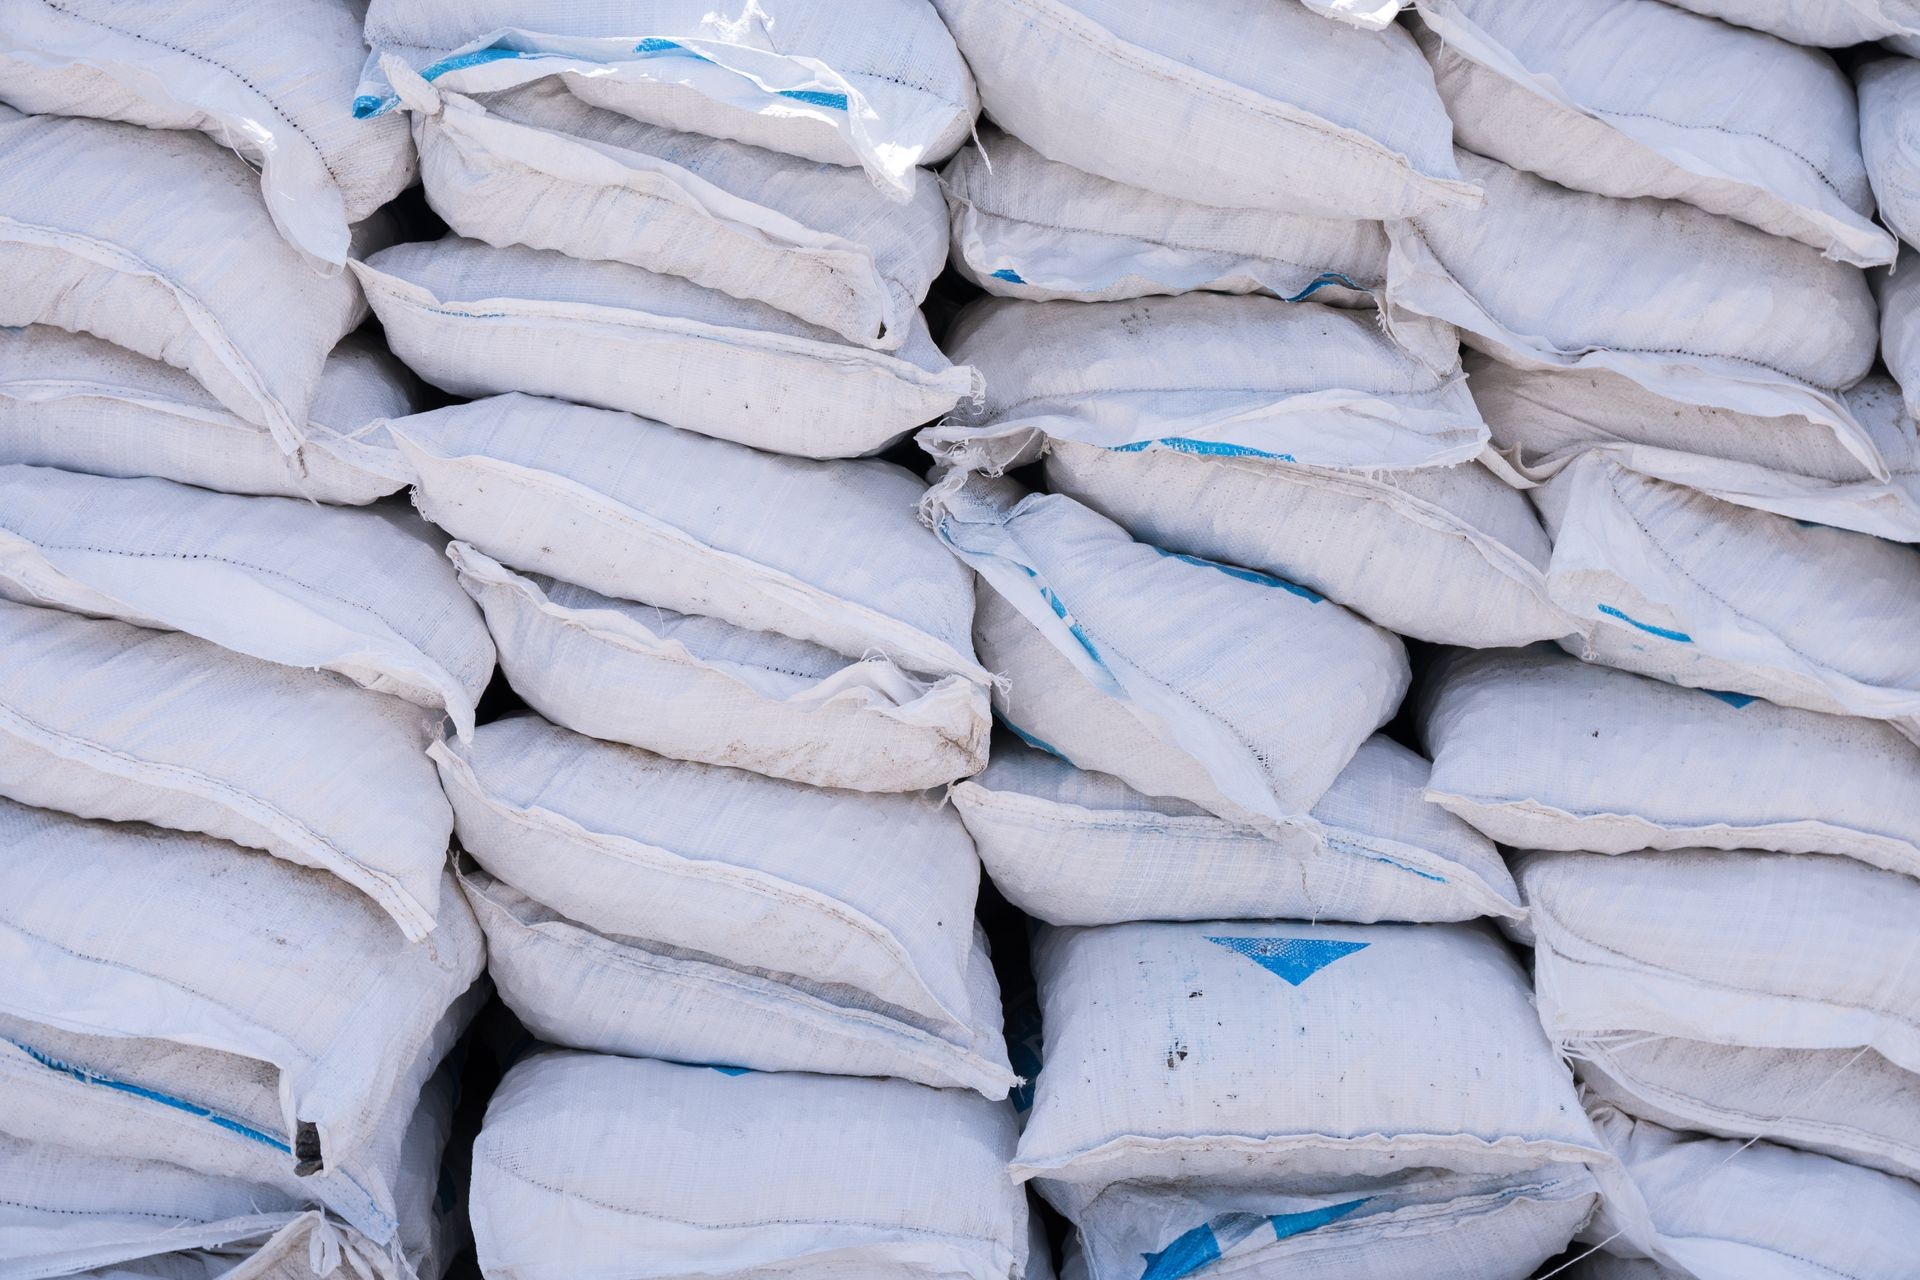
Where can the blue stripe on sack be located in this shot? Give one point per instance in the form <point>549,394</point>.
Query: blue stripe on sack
<point>1293,1224</point>
<point>1663,632</point>
<point>817,97</point>
<point>1734,700</point>
<point>1401,866</point>
<point>1248,575</point>
<point>1036,743</point>
<point>179,1104</point>
<point>477,58</point>
<point>1321,282</point>
<point>1009,275</point>
<point>367,104</point>
<point>1189,1252</point>
<point>1200,449</point>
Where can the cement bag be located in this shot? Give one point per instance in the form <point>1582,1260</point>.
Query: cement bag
<point>73,401</point>
<point>1642,99</point>
<point>227,1012</point>
<point>108,720</point>
<point>1695,307</point>
<point>861,904</point>
<point>1899,294</point>
<point>1716,1209</point>
<point>1677,585</point>
<point>1028,227</point>
<point>1540,750</point>
<point>575,987</point>
<point>1830,23</point>
<point>1866,480</point>
<point>1206,374</point>
<point>1746,994</point>
<point>876,84</point>
<point>280,93</point>
<point>697,688</point>
<point>726,1172</point>
<point>1889,102</point>
<point>1451,554</point>
<point>1303,1098</point>
<point>278,579</point>
<point>1240,692</point>
<point>477,320</point>
<point>539,167</point>
<point>106,231</point>
<point>830,554</point>
<point>1288,111</point>
<point>1070,847</point>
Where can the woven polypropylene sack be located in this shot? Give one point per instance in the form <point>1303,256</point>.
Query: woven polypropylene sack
<point>108,720</point>
<point>1832,23</point>
<point>539,167</point>
<point>825,552</point>
<point>1642,99</point>
<point>1177,675</point>
<point>280,93</point>
<point>876,84</point>
<point>1028,227</point>
<point>1070,847</point>
<point>107,231</point>
<point>697,688</point>
<point>278,579</point>
<point>477,320</point>
<point>1540,750</point>
<point>1899,295</point>
<point>1889,103</point>
<point>814,1177</point>
<point>1260,106</point>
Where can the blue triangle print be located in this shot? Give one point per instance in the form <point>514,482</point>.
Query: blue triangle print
<point>1294,959</point>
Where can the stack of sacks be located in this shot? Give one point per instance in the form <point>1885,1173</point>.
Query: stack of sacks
<point>1720,894</point>
<point>674,221</point>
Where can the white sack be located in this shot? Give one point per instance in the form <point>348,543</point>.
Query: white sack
<point>876,84</point>
<point>1715,1209</point>
<point>1248,106</point>
<point>1304,1093</point>
<point>581,989</point>
<point>182,999</point>
<point>1240,692</point>
<point>1371,14</point>
<point>477,320</point>
<point>74,401</point>
<point>1542,420</point>
<point>1678,585</point>
<point>108,720</point>
<point>724,1173</point>
<point>1898,291</point>
<point>280,93</point>
<point>1642,99</point>
<point>1028,227</point>
<point>825,552</point>
<point>1832,23</point>
<point>539,167</point>
<point>1070,847</point>
<point>106,231</point>
<point>1889,104</point>
<point>366,594</point>
<point>1768,995</point>
<point>1540,750</point>
<point>701,689</point>
<point>871,895</point>
<point>1695,307</point>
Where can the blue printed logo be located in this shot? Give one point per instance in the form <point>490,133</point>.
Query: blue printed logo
<point>1294,959</point>
<point>1236,1233</point>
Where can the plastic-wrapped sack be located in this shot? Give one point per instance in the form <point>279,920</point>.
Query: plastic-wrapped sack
<point>1681,586</point>
<point>1070,847</point>
<point>1264,106</point>
<point>108,720</point>
<point>539,167</point>
<point>181,999</point>
<point>476,320</point>
<point>687,911</point>
<point>1695,307</point>
<point>74,401</point>
<point>828,553</point>
<point>1869,482</point>
<point>1898,291</point>
<point>812,1177</point>
<point>1237,691</point>
<point>1751,995</point>
<point>1028,227</point>
<point>1711,1207</point>
<point>109,229</point>
<point>697,688</point>
<point>1889,103</point>
<point>278,579</point>
<point>876,84</point>
<point>1833,24</point>
<point>1642,99</point>
<point>1337,1101</point>
<point>1543,751</point>
<point>280,93</point>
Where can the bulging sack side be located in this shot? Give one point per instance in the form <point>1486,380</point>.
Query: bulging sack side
<point>1889,99</point>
